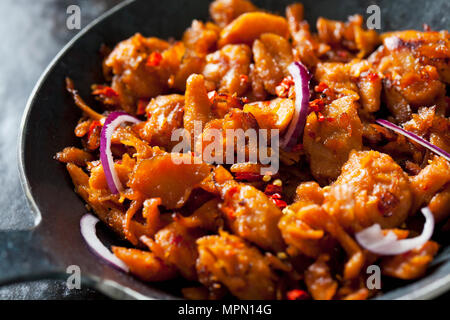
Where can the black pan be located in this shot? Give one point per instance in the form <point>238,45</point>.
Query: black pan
<point>50,116</point>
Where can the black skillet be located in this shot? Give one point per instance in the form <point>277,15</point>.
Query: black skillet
<point>50,116</point>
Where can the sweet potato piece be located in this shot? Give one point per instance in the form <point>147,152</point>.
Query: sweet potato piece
<point>225,11</point>
<point>161,177</point>
<point>200,39</point>
<point>430,180</point>
<point>372,188</point>
<point>349,34</point>
<point>428,122</point>
<point>299,236</point>
<point>250,26</point>
<point>412,264</point>
<point>252,215</point>
<point>274,114</point>
<point>431,47</point>
<point>440,205</point>
<point>370,86</point>
<point>165,115</point>
<point>336,75</point>
<point>176,245</point>
<point>110,215</point>
<point>272,55</point>
<point>97,179</point>
<point>133,79</point>
<point>197,106</point>
<point>309,192</point>
<point>207,217</point>
<point>319,281</point>
<point>328,143</point>
<point>145,265</point>
<point>303,228</point>
<point>234,120</point>
<point>228,260</point>
<point>74,155</point>
<point>226,69</point>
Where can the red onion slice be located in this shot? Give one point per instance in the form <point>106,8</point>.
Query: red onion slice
<point>88,231</point>
<point>414,137</point>
<point>294,132</point>
<point>375,241</point>
<point>113,121</point>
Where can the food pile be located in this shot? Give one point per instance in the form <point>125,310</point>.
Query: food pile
<point>364,173</point>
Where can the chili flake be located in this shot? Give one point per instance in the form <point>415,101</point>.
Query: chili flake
<point>248,176</point>
<point>92,127</point>
<point>297,294</point>
<point>106,91</point>
<point>271,189</point>
<point>154,59</point>
<point>142,104</point>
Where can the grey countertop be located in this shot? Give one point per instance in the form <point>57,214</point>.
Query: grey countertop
<point>32,33</point>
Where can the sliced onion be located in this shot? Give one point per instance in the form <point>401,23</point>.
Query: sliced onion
<point>375,241</point>
<point>414,137</point>
<point>294,132</point>
<point>113,121</point>
<point>88,231</point>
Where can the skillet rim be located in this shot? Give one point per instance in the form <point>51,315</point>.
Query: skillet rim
<point>111,288</point>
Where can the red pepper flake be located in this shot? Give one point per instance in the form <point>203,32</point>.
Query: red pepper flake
<point>154,59</point>
<point>342,54</point>
<point>320,117</point>
<point>279,203</point>
<point>248,176</point>
<point>232,191</point>
<point>233,101</point>
<point>282,90</point>
<point>276,196</point>
<point>105,91</point>
<point>273,189</point>
<point>229,212</point>
<point>297,294</point>
<point>92,127</point>
<point>245,100</point>
<point>297,148</point>
<point>142,104</point>
<point>316,105</point>
<point>176,239</point>
<point>321,87</point>
<point>243,78</point>
<point>212,96</point>
<point>372,76</point>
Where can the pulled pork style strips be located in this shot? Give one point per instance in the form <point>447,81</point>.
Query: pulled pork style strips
<point>246,229</point>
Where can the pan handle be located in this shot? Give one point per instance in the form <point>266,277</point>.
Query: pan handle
<point>22,258</point>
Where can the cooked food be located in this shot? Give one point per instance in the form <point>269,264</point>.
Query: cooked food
<point>259,160</point>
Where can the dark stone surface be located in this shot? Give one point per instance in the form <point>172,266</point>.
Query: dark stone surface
<point>32,33</point>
